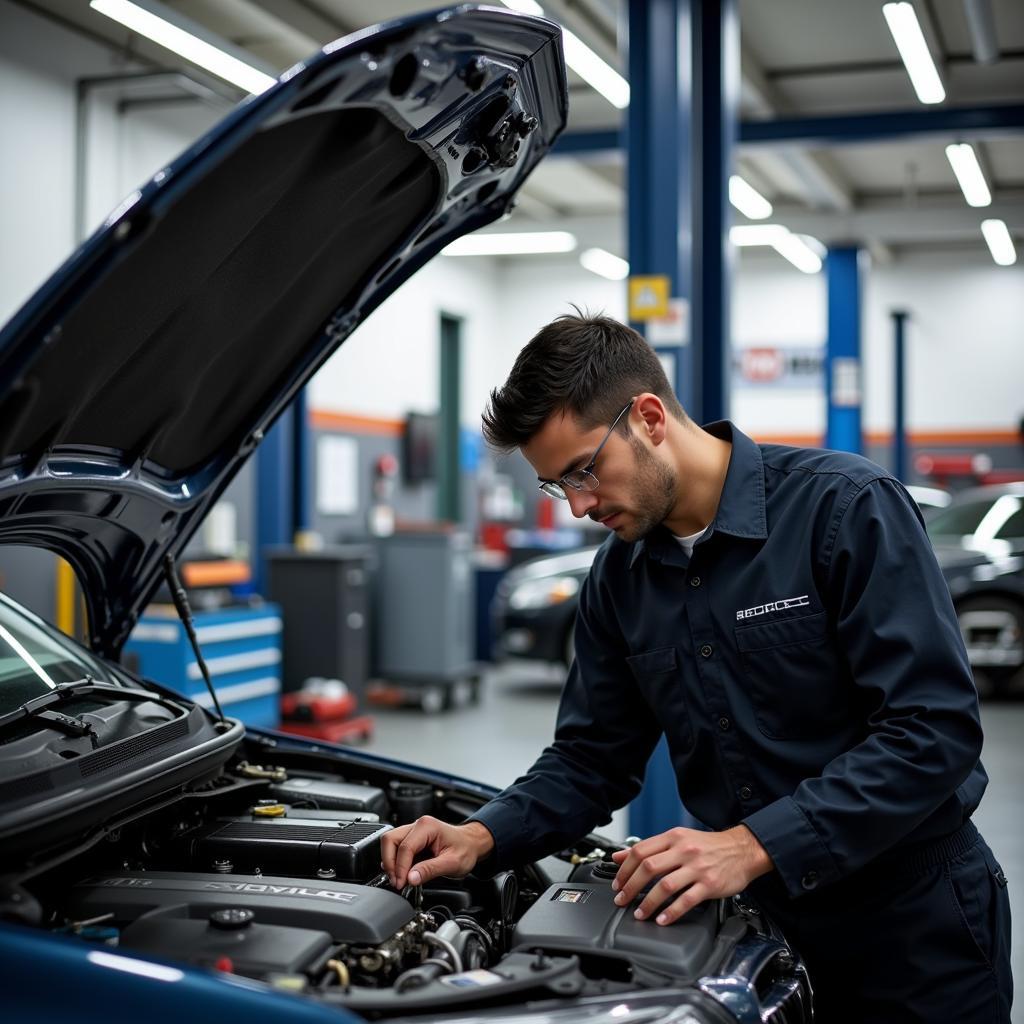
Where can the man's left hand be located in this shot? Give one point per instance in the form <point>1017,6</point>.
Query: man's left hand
<point>693,866</point>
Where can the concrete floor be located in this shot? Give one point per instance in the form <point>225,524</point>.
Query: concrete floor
<point>497,739</point>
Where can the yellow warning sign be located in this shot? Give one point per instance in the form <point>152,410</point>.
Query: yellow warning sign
<point>648,296</point>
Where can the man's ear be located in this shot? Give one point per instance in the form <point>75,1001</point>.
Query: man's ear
<point>652,415</point>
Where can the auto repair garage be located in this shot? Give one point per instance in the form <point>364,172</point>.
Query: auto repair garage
<point>294,591</point>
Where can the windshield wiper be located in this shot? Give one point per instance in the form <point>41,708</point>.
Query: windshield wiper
<point>39,707</point>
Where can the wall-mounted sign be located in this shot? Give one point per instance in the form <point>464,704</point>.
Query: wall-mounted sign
<point>648,296</point>
<point>671,329</point>
<point>782,366</point>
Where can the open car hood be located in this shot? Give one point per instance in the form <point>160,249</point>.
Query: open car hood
<point>138,379</point>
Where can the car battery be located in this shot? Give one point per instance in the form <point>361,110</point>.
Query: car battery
<point>328,794</point>
<point>348,851</point>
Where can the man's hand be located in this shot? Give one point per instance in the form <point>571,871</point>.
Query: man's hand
<point>693,866</point>
<point>456,850</point>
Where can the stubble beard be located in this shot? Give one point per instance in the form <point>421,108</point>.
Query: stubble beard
<point>656,486</point>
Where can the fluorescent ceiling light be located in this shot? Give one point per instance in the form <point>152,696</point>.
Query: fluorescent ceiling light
<point>185,44</point>
<point>917,59</point>
<point>747,199</point>
<point>605,264</point>
<point>594,70</point>
<point>512,243</point>
<point>997,234</point>
<point>800,251</point>
<point>964,162</point>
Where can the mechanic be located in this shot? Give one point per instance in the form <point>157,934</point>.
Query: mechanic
<point>779,615</point>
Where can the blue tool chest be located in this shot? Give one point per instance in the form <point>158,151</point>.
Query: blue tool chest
<point>241,648</point>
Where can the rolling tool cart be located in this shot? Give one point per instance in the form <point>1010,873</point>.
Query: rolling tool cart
<point>425,620</point>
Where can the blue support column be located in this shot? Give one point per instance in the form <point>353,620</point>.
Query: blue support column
<point>274,494</point>
<point>658,156</point>
<point>899,420</point>
<point>842,354</point>
<point>302,466</point>
<point>660,242</point>
<point>716,87</point>
<point>684,82</point>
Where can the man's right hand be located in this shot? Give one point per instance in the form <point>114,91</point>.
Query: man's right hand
<point>456,850</point>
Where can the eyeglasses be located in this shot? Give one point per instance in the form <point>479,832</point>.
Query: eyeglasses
<point>582,479</point>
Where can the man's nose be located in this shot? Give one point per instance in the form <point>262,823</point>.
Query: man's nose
<point>580,502</point>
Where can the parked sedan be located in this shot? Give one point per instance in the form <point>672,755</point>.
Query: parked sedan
<point>978,537</point>
<point>161,862</point>
<point>979,541</point>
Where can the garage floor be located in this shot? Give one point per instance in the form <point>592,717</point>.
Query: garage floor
<point>498,739</point>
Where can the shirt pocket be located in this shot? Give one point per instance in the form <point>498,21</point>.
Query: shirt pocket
<point>794,677</point>
<point>661,684</point>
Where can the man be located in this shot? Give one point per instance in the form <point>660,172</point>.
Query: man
<point>779,615</point>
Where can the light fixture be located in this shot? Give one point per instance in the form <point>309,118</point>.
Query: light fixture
<point>512,243</point>
<point>906,31</point>
<point>1000,244</point>
<point>800,250</point>
<point>964,162</point>
<point>604,264</point>
<point>160,30</point>
<point>594,70</point>
<point>747,199</point>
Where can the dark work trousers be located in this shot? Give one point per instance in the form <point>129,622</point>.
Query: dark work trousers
<point>919,937</point>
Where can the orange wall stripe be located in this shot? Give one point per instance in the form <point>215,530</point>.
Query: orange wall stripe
<point>324,419</point>
<point>924,438</point>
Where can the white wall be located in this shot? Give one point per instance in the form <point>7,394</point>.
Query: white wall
<point>40,65</point>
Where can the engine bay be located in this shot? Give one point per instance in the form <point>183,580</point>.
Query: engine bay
<point>271,870</point>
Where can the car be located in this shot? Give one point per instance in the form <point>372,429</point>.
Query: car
<point>533,612</point>
<point>160,861</point>
<point>979,542</point>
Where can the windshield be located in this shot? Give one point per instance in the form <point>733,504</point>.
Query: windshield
<point>977,523</point>
<point>34,657</point>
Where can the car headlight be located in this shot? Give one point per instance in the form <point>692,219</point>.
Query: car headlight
<point>542,593</point>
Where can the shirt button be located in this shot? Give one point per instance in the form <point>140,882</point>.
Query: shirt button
<point>724,723</point>
<point>694,581</point>
<point>810,880</point>
<point>746,793</point>
<point>706,651</point>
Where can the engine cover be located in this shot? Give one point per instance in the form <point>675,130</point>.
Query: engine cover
<point>580,917</point>
<point>346,912</point>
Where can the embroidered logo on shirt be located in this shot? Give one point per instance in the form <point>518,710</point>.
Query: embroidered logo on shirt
<point>773,606</point>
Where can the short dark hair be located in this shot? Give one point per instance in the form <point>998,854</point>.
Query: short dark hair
<point>581,363</point>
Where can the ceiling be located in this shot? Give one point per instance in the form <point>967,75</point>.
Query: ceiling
<point>798,58</point>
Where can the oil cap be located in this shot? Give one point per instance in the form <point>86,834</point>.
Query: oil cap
<point>230,919</point>
<point>271,810</point>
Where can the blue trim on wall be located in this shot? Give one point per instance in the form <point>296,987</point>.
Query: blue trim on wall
<point>842,351</point>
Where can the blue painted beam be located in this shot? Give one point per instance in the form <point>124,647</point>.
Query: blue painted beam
<point>902,124</point>
<point>844,128</point>
<point>274,494</point>
<point>842,351</point>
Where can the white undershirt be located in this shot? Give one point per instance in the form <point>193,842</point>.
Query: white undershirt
<point>686,543</point>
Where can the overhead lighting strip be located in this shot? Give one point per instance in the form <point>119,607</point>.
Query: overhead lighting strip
<point>185,44</point>
<point>800,250</point>
<point>964,162</point>
<point>917,59</point>
<point>594,70</point>
<point>512,243</point>
<point>604,264</point>
<point>1000,244</point>
<point>747,199</point>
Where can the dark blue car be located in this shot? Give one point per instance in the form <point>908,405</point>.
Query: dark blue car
<point>160,862</point>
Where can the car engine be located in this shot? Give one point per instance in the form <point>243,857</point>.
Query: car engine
<point>271,871</point>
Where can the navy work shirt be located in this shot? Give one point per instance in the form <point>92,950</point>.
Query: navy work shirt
<point>805,666</point>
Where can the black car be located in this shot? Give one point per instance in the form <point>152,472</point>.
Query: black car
<point>979,541</point>
<point>161,862</point>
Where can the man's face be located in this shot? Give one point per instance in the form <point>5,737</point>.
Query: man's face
<point>636,491</point>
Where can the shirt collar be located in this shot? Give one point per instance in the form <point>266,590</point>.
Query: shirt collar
<point>741,508</point>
